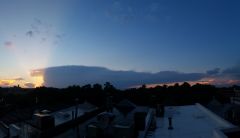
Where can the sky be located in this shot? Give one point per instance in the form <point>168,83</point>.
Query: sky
<point>184,37</point>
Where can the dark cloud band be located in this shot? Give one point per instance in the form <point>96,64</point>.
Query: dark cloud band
<point>80,75</point>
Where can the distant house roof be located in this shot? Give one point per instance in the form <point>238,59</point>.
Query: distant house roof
<point>222,109</point>
<point>17,116</point>
<point>214,102</point>
<point>126,103</point>
<point>86,106</point>
<point>215,106</point>
<point>125,106</point>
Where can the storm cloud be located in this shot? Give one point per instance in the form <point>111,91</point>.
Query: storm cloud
<point>64,76</point>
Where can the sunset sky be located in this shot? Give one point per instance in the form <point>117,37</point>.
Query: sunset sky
<point>153,37</point>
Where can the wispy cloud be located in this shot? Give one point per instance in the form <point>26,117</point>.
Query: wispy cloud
<point>29,33</point>
<point>38,31</point>
<point>37,72</point>
<point>8,44</point>
<point>125,11</point>
<point>157,12</point>
<point>18,79</point>
<point>44,32</point>
<point>120,12</point>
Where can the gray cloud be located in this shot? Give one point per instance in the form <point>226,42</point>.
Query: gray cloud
<point>29,33</point>
<point>8,44</point>
<point>64,76</point>
<point>233,72</point>
<point>225,77</point>
<point>37,72</point>
<point>29,85</point>
<point>19,79</point>
<point>214,71</point>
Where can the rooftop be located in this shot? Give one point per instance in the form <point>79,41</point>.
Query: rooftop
<point>65,115</point>
<point>192,121</point>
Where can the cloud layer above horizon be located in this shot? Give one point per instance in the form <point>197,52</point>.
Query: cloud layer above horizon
<point>64,76</point>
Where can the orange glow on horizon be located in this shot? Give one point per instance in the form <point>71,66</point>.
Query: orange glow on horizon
<point>7,82</point>
<point>173,83</point>
<point>205,81</point>
<point>36,81</point>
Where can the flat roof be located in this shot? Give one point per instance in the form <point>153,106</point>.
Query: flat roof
<point>65,115</point>
<point>191,121</point>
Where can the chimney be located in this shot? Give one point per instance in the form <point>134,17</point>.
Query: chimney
<point>76,108</point>
<point>170,127</point>
<point>44,121</point>
<point>160,110</point>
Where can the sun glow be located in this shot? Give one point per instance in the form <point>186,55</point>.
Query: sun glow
<point>29,52</point>
<point>38,81</point>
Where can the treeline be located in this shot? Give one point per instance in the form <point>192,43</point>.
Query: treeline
<point>97,94</point>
